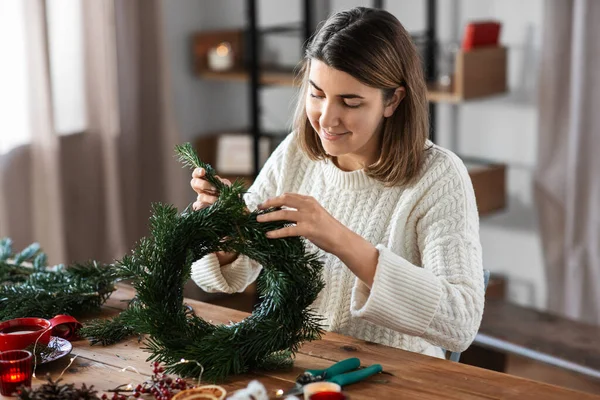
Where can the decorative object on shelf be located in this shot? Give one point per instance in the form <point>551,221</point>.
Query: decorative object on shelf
<point>481,34</point>
<point>32,289</point>
<point>477,73</point>
<point>218,51</point>
<point>446,61</point>
<point>161,264</point>
<point>220,58</point>
<point>56,391</point>
<point>15,370</point>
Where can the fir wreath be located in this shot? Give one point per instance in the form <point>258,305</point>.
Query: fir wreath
<point>161,263</point>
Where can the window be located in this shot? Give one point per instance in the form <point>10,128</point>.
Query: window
<point>14,94</point>
<point>65,41</point>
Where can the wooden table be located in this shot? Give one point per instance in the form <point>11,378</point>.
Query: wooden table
<point>406,375</point>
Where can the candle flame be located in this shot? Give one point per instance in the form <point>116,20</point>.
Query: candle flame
<point>223,49</point>
<point>16,377</point>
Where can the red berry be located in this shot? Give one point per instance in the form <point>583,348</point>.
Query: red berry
<point>136,394</point>
<point>104,396</point>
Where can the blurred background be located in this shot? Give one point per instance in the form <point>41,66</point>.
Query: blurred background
<point>95,95</point>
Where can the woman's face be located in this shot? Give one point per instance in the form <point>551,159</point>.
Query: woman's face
<point>347,115</point>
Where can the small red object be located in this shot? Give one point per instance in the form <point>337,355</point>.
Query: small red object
<point>65,327</point>
<point>328,396</point>
<point>19,333</point>
<point>481,34</point>
<point>15,370</point>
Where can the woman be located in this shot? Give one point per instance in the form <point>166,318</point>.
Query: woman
<point>393,215</point>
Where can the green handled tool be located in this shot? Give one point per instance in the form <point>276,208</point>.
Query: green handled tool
<point>343,373</point>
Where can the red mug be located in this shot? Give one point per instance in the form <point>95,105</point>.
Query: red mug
<point>19,333</point>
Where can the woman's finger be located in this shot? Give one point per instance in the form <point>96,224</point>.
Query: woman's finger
<point>200,185</point>
<point>198,173</point>
<point>198,205</point>
<point>206,198</point>
<point>290,200</point>
<point>280,215</point>
<point>288,231</point>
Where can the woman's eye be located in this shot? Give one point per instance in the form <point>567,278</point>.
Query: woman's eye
<point>316,96</point>
<point>352,105</point>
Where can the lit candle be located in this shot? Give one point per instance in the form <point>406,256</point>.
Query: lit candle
<point>220,58</point>
<point>15,370</point>
<point>319,387</point>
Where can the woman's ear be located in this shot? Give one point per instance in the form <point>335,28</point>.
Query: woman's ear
<point>393,103</point>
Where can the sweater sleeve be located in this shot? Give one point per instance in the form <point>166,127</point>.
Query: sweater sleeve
<point>235,277</point>
<point>441,300</point>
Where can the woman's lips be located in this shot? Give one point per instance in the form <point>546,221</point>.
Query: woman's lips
<point>332,136</point>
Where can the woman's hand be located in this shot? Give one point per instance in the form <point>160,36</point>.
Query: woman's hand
<point>207,193</point>
<point>314,223</point>
<point>311,221</point>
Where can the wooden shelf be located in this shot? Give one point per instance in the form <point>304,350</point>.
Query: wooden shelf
<point>282,78</point>
<point>479,73</point>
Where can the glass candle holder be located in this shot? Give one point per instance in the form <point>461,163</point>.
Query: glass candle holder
<point>317,387</point>
<point>328,396</point>
<point>15,370</point>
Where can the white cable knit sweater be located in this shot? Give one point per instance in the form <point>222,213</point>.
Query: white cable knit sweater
<point>428,287</point>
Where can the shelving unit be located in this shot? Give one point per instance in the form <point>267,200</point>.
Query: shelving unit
<point>478,74</point>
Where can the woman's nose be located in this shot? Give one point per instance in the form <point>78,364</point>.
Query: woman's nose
<point>329,115</point>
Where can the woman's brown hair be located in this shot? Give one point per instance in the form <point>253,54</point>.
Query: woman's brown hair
<point>372,46</point>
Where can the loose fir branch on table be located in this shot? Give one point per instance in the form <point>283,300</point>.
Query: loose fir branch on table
<point>56,391</point>
<point>29,288</point>
<point>161,264</point>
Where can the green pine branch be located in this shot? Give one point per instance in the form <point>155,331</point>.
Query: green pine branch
<point>28,288</point>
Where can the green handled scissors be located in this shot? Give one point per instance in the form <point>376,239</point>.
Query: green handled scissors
<point>343,373</point>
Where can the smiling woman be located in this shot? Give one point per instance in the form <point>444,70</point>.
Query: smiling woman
<point>392,215</point>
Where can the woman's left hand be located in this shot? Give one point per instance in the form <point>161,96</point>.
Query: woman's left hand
<point>311,221</point>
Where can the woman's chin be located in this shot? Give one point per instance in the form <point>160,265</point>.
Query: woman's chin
<point>332,150</point>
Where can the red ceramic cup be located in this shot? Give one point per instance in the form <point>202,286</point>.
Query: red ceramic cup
<point>18,333</point>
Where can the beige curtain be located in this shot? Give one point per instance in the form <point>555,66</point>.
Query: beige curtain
<point>88,195</point>
<point>567,182</point>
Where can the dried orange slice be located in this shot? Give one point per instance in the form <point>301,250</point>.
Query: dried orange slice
<point>206,392</point>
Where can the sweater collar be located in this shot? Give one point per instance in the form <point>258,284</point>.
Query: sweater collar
<point>347,179</point>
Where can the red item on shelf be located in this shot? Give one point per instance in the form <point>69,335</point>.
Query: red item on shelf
<point>481,34</point>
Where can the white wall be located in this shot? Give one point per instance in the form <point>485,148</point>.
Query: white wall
<point>503,128</point>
